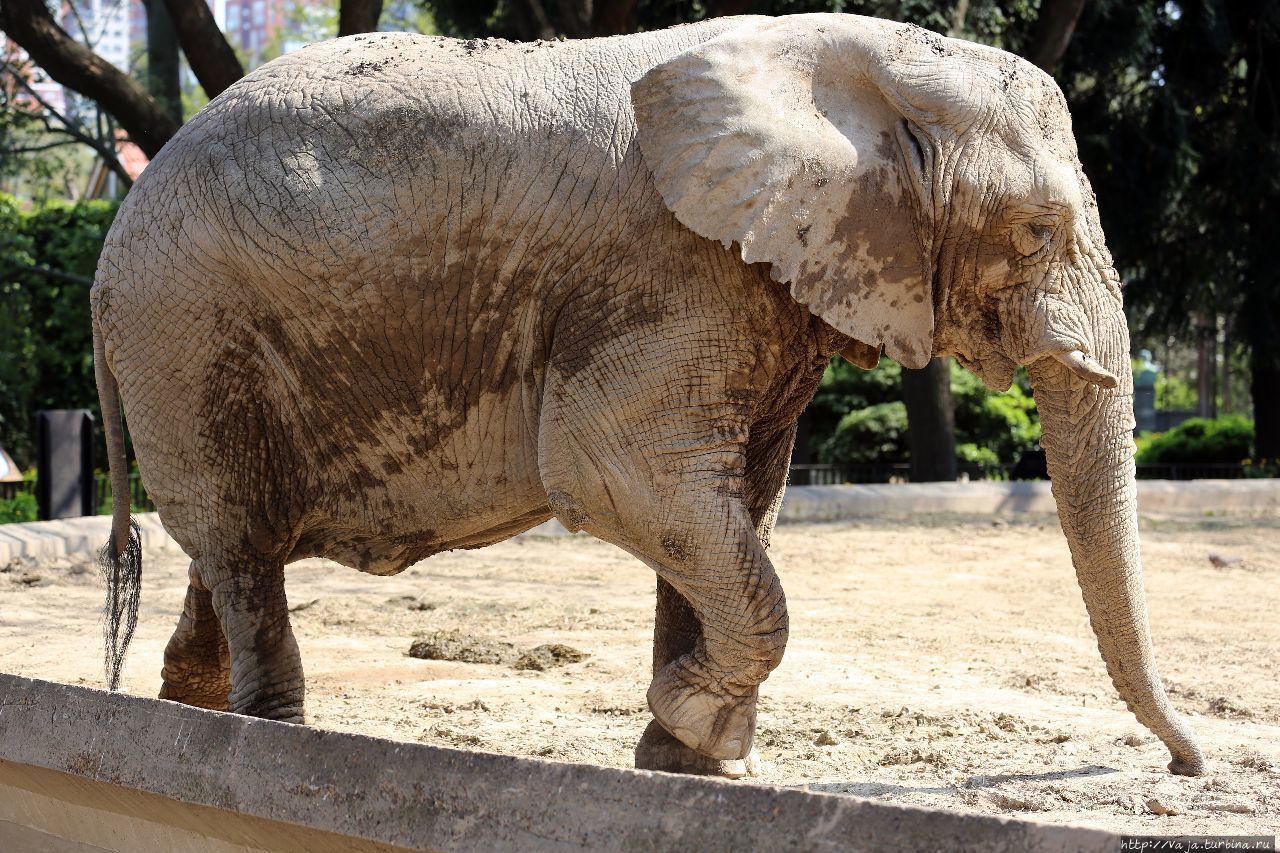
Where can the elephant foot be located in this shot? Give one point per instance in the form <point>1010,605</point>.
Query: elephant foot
<point>1197,766</point>
<point>214,699</point>
<point>658,750</point>
<point>717,720</point>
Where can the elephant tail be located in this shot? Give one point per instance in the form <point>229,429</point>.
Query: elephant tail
<point>120,560</point>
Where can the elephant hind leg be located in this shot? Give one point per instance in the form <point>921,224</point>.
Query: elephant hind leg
<point>197,664</point>
<point>265,665</point>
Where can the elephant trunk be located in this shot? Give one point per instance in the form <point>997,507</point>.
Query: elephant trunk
<point>1087,438</point>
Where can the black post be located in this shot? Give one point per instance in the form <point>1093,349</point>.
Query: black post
<point>64,464</point>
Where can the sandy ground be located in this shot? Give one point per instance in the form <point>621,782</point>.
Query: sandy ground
<point>939,661</point>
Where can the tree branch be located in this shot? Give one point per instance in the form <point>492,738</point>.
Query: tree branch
<point>48,146</point>
<point>105,150</point>
<point>48,273</point>
<point>70,63</point>
<point>211,58</point>
<point>1052,32</point>
<point>354,16</point>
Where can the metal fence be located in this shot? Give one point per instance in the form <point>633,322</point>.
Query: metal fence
<point>801,475</point>
<point>138,498</point>
<point>832,475</point>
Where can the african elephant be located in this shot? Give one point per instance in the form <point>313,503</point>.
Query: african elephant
<point>392,294</point>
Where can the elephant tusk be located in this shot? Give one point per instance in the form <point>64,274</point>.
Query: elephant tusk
<point>1087,369</point>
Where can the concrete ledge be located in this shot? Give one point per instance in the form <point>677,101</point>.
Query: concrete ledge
<point>832,503</point>
<point>76,538</point>
<point>81,769</point>
<point>80,538</point>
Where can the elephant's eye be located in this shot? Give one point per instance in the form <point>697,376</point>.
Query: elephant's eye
<point>1032,239</point>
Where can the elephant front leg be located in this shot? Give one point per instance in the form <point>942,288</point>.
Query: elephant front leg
<point>676,632</point>
<point>676,629</point>
<point>708,551</point>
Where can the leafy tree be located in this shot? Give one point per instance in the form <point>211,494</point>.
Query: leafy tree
<point>1175,106</point>
<point>47,260</point>
<point>18,375</point>
<point>875,434</point>
<point>859,417</point>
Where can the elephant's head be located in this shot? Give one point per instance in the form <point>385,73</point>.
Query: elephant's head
<point>924,195</point>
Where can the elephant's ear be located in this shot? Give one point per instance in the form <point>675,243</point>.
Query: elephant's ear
<point>784,137</point>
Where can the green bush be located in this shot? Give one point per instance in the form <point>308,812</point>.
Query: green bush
<point>21,507</point>
<point>46,349</point>
<point>1004,423</point>
<point>875,434</point>
<point>984,457</point>
<point>1228,439</point>
<point>858,417</point>
<point>845,388</point>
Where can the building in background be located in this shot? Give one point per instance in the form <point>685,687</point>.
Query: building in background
<point>253,26</point>
<point>106,26</point>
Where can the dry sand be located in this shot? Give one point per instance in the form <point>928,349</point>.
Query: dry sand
<point>941,661</point>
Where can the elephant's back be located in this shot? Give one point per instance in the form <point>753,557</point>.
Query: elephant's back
<point>375,149</point>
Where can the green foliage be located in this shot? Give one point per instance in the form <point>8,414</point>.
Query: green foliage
<point>874,434</point>
<point>858,416</point>
<point>21,507</point>
<point>46,338</point>
<point>1224,440</point>
<point>1005,424</point>
<point>845,388</point>
<point>984,457</point>
<point>1176,117</point>
<point>1174,394</point>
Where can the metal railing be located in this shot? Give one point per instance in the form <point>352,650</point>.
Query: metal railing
<point>900,472</point>
<point>138,498</point>
<point>801,475</point>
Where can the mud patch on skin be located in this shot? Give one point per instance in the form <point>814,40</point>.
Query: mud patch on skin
<point>678,547</point>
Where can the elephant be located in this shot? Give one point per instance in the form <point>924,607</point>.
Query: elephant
<point>391,295</point>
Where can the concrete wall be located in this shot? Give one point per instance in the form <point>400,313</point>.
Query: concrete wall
<point>81,538</point>
<point>83,770</point>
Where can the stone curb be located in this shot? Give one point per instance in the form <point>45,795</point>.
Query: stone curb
<point>833,503</point>
<point>146,769</point>
<point>80,538</point>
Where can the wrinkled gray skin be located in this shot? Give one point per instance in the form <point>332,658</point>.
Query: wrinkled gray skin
<point>392,295</point>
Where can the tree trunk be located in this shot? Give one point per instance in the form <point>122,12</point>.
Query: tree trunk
<point>1052,32</point>
<point>162,59</point>
<point>1206,367</point>
<point>725,8</point>
<point>356,16</point>
<point>931,421</point>
<point>574,18</point>
<point>211,58</point>
<point>70,63</point>
<point>530,20</point>
<point>613,17</point>
<point>1265,367</point>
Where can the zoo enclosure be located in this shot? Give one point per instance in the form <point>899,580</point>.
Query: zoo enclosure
<point>900,472</point>
<point>801,475</point>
